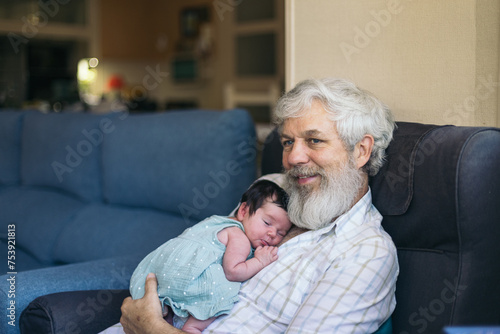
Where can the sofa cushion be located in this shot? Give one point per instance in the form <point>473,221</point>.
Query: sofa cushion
<point>63,151</point>
<point>101,231</point>
<point>44,214</point>
<point>10,143</point>
<point>190,163</point>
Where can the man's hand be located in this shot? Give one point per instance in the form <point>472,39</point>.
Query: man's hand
<point>144,316</point>
<point>266,254</point>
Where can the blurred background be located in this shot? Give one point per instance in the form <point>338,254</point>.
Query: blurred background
<point>430,61</point>
<point>91,55</point>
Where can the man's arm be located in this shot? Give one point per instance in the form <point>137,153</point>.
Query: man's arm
<point>144,316</point>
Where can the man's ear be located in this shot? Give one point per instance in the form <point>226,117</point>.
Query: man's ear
<point>242,211</point>
<point>363,150</point>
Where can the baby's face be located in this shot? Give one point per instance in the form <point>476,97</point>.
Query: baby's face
<point>267,226</point>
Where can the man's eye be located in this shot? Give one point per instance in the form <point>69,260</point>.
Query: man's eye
<point>287,142</point>
<point>315,141</point>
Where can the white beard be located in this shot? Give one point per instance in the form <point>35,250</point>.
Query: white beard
<point>316,208</point>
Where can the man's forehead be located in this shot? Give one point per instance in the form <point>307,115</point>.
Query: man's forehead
<point>304,126</point>
<point>302,133</point>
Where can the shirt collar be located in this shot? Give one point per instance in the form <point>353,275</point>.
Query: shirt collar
<point>355,216</point>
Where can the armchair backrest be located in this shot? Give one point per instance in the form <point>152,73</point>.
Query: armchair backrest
<point>439,193</point>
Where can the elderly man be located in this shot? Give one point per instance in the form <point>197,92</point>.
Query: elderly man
<point>339,275</point>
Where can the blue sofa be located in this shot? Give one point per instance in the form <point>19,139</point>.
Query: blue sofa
<point>84,197</point>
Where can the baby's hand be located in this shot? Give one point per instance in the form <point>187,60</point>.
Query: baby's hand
<point>266,254</point>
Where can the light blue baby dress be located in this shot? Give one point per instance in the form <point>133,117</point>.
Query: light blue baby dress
<point>189,271</point>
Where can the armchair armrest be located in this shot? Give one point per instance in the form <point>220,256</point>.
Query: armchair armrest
<point>73,312</point>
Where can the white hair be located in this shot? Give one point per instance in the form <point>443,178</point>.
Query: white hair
<point>356,113</point>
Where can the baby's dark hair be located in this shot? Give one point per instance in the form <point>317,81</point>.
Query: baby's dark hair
<point>261,191</point>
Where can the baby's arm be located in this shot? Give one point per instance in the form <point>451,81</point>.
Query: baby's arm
<point>236,266</point>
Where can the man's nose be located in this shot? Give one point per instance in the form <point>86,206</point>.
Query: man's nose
<point>297,155</point>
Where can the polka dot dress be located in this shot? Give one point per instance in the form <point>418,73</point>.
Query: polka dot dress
<point>189,271</point>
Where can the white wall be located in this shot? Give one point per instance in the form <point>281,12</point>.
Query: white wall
<point>430,61</point>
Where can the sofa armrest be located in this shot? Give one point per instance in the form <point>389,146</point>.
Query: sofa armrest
<point>104,274</point>
<point>73,312</point>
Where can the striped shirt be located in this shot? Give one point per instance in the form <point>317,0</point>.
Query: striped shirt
<point>339,279</point>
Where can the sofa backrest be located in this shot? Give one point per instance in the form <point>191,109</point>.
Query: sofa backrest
<point>10,147</point>
<point>439,193</point>
<point>57,152</point>
<point>190,163</point>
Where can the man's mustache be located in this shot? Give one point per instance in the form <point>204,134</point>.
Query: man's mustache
<point>298,171</point>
